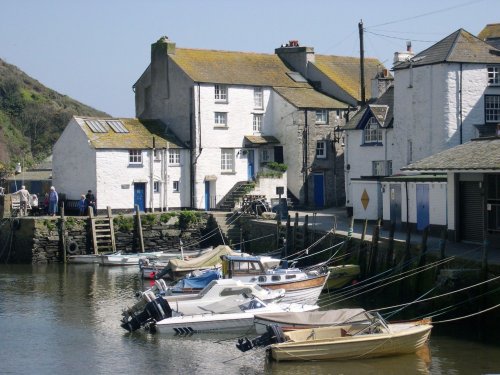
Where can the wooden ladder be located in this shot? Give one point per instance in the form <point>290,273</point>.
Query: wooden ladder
<point>103,234</point>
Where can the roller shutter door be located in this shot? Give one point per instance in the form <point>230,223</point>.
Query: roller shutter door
<point>471,212</point>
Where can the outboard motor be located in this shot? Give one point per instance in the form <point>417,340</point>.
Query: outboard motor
<point>155,310</point>
<point>274,335</point>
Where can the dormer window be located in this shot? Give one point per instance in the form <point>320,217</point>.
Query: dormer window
<point>258,98</point>
<point>494,75</point>
<point>373,132</point>
<point>221,93</point>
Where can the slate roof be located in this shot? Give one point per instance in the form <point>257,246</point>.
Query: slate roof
<point>478,154</point>
<point>139,136</point>
<point>260,139</point>
<point>490,31</point>
<point>382,109</point>
<point>344,71</point>
<point>40,175</point>
<point>308,98</point>
<point>458,47</point>
<point>234,68</point>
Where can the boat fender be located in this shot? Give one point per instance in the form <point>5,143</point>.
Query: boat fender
<point>72,248</point>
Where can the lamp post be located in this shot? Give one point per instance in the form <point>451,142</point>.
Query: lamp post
<point>337,137</point>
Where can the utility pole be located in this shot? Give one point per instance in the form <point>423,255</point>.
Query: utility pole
<point>362,62</point>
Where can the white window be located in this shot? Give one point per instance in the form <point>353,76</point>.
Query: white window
<point>156,186</point>
<point>157,155</point>
<point>382,168</point>
<point>175,186</point>
<point>266,155</point>
<point>321,116</point>
<point>373,132</point>
<point>174,156</point>
<point>258,98</point>
<point>492,108</point>
<point>321,149</point>
<point>220,119</point>
<point>494,75</point>
<point>257,123</point>
<point>135,156</point>
<point>227,160</point>
<point>220,93</point>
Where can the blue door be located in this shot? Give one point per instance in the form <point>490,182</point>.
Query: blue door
<point>319,190</point>
<point>251,163</point>
<point>140,195</point>
<point>422,206</point>
<point>207,195</point>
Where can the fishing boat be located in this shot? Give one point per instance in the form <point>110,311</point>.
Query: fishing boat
<point>341,276</point>
<point>242,320</point>
<point>290,320</point>
<point>300,286</point>
<point>218,297</point>
<point>351,341</point>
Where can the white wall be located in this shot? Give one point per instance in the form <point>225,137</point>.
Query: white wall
<point>73,162</point>
<point>372,188</point>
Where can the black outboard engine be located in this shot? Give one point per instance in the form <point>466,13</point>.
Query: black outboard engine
<point>155,310</point>
<point>274,335</point>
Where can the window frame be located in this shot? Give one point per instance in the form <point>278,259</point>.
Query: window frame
<point>322,116</point>
<point>492,115</point>
<point>258,97</point>
<point>174,156</point>
<point>493,75</point>
<point>135,157</point>
<point>218,116</point>
<point>227,160</point>
<point>257,125</point>
<point>385,167</point>
<point>156,187</point>
<point>220,93</point>
<point>372,133</point>
<point>175,186</point>
<point>321,151</point>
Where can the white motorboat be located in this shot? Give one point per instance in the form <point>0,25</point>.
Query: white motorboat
<point>349,341</point>
<point>237,321</point>
<point>222,296</point>
<point>300,286</point>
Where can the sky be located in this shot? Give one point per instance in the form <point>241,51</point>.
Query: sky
<point>95,50</point>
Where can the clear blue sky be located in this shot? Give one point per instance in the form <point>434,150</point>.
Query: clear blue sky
<point>94,50</point>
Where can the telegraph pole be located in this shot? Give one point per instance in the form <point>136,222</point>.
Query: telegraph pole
<point>361,62</point>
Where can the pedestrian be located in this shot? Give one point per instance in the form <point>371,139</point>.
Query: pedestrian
<point>53,200</point>
<point>24,197</point>
<point>91,201</point>
<point>46,204</point>
<point>82,205</point>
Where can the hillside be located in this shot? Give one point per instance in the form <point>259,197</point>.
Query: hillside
<point>32,117</point>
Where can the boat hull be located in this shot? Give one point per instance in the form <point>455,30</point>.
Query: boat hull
<point>341,276</point>
<point>405,341</point>
<point>300,291</point>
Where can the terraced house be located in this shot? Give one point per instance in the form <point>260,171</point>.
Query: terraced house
<point>238,112</point>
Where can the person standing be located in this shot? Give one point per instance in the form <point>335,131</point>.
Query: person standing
<point>91,201</point>
<point>53,200</point>
<point>24,197</point>
<point>82,205</point>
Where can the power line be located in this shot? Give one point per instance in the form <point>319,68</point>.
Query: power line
<point>395,37</point>
<point>428,13</point>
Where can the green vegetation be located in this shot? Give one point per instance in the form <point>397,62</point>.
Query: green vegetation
<point>279,167</point>
<point>49,224</point>
<point>149,219</point>
<point>32,117</point>
<point>188,218</point>
<point>165,217</point>
<point>123,224</point>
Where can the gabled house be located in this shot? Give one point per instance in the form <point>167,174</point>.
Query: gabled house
<point>444,96</point>
<point>491,34</point>
<point>237,112</point>
<point>125,162</point>
<point>368,139</point>
<point>472,173</point>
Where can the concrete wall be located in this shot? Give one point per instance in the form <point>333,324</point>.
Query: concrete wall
<point>373,208</point>
<point>73,162</point>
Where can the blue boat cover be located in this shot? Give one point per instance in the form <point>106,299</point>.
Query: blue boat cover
<point>198,282</point>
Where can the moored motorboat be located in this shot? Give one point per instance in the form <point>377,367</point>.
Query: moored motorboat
<point>350,341</point>
<point>341,276</point>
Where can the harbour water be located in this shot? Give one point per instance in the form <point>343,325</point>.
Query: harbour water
<point>63,319</point>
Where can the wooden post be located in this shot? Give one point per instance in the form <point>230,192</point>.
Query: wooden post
<point>362,251</point>
<point>373,256</point>
<point>407,255</point>
<point>294,233</point>
<point>423,245</point>
<point>442,247</point>
<point>63,232</point>
<point>362,241</point>
<point>389,260</point>
<point>305,232</point>
<point>139,228</point>
<point>111,229</point>
<point>287,235</point>
<point>92,229</point>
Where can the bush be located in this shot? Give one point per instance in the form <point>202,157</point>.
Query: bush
<point>275,166</point>
<point>165,217</point>
<point>188,218</point>
<point>149,219</point>
<point>124,224</point>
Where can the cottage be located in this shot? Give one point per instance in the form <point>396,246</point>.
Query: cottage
<point>125,162</point>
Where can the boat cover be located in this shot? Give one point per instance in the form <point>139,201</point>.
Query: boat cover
<point>208,259</point>
<point>198,282</point>
<point>316,317</point>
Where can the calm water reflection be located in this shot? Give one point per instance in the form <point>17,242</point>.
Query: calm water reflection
<point>60,319</point>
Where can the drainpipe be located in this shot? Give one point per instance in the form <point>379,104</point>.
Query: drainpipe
<point>194,158</point>
<point>165,178</point>
<point>460,95</point>
<point>407,206</point>
<point>305,177</point>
